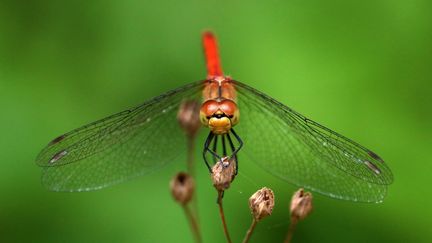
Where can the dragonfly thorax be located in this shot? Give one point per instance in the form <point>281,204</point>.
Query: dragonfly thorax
<point>220,115</point>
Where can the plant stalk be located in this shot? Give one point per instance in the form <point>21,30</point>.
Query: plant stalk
<point>250,230</point>
<point>193,223</point>
<point>291,230</point>
<point>222,215</point>
<point>191,171</point>
<point>191,155</point>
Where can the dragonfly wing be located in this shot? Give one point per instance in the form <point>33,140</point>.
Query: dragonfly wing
<point>302,152</point>
<point>122,146</point>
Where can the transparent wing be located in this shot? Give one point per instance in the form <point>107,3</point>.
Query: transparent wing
<point>119,147</point>
<point>307,154</point>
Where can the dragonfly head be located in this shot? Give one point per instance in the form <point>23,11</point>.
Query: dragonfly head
<point>219,115</point>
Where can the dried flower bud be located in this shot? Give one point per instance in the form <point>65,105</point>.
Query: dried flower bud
<point>301,204</point>
<point>188,117</point>
<point>182,187</point>
<point>261,203</point>
<point>223,173</point>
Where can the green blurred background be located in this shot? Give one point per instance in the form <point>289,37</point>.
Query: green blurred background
<point>361,68</point>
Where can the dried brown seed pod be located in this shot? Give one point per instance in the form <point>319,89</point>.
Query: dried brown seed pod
<point>188,117</point>
<point>182,187</point>
<point>223,173</point>
<point>261,203</point>
<point>301,204</point>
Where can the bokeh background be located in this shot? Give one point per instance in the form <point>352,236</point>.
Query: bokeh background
<point>362,68</point>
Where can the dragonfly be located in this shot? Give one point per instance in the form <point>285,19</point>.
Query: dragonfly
<point>278,139</point>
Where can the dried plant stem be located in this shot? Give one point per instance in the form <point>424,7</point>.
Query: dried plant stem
<point>250,230</point>
<point>193,223</point>
<point>222,215</point>
<point>190,155</point>
<point>191,171</point>
<point>291,229</point>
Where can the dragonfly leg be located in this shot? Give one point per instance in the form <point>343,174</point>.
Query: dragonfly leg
<point>224,151</point>
<point>215,148</point>
<point>239,141</point>
<point>232,150</point>
<point>216,157</point>
<point>207,143</point>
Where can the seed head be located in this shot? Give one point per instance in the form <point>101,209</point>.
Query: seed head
<point>182,187</point>
<point>223,173</point>
<point>261,203</point>
<point>301,204</point>
<point>188,117</point>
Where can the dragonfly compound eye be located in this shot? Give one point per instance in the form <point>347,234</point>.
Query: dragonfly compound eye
<point>207,110</point>
<point>230,109</point>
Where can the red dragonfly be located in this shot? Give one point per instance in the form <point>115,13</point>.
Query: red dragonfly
<point>282,141</point>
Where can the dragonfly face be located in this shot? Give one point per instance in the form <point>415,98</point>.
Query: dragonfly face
<point>220,115</point>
